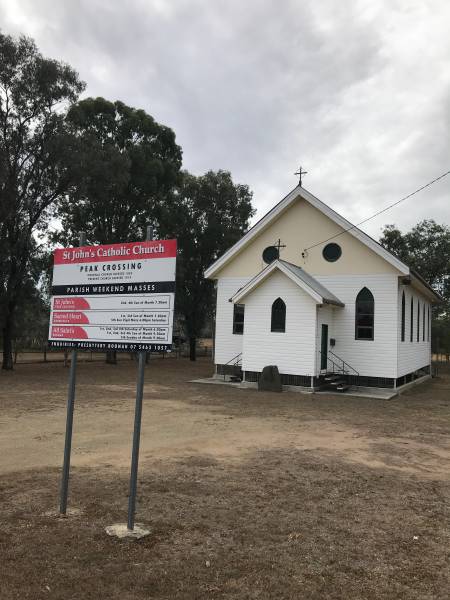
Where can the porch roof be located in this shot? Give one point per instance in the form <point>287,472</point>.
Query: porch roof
<point>300,277</point>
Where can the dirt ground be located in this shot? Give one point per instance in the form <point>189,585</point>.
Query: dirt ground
<point>248,494</point>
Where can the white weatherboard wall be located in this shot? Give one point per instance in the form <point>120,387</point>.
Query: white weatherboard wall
<point>293,351</point>
<point>416,354</point>
<point>373,358</point>
<point>227,344</point>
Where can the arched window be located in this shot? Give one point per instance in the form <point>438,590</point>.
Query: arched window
<point>418,319</point>
<point>278,321</point>
<point>403,316</point>
<point>429,324</point>
<point>364,315</point>
<point>411,325</point>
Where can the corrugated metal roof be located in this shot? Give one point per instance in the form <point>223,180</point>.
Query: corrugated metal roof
<point>315,285</point>
<point>300,276</point>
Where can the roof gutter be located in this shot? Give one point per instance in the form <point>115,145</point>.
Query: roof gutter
<point>426,284</point>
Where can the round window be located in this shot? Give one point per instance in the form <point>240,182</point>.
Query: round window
<point>332,252</point>
<point>270,254</point>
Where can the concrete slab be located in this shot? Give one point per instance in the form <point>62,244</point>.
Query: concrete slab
<point>362,392</point>
<point>121,531</point>
<point>215,381</point>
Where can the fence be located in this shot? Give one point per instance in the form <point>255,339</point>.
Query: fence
<point>51,355</point>
<point>440,357</point>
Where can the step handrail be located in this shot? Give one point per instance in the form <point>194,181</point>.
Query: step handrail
<point>237,363</point>
<point>344,363</point>
<point>339,367</point>
<point>238,357</point>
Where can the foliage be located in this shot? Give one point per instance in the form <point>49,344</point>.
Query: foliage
<point>426,248</point>
<point>207,215</point>
<point>440,334</point>
<point>128,166</point>
<point>33,311</point>
<point>35,168</point>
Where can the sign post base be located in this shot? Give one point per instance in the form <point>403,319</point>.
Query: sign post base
<point>121,531</point>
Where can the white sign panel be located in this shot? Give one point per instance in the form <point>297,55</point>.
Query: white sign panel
<point>114,297</point>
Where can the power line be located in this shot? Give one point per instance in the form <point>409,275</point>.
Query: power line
<point>381,211</point>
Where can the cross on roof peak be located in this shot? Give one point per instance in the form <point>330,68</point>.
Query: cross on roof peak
<point>300,172</point>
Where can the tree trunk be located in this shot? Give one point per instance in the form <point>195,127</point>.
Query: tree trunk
<point>192,348</point>
<point>8,363</point>
<point>111,357</point>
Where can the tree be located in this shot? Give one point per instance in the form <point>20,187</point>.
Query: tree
<point>34,167</point>
<point>426,248</point>
<point>32,319</point>
<point>207,215</point>
<point>129,165</point>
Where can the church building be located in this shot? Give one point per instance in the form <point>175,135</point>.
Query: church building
<point>317,297</point>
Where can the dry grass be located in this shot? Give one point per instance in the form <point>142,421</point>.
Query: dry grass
<point>253,496</point>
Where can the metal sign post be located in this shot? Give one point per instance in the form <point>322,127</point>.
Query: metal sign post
<point>69,419</point>
<point>137,428</point>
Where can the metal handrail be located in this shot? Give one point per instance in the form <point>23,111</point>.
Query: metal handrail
<point>343,362</point>
<point>238,357</point>
<point>339,367</point>
<point>237,363</point>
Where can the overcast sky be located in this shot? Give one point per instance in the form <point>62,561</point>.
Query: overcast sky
<point>358,92</point>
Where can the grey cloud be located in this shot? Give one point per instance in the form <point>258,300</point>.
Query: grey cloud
<point>352,90</point>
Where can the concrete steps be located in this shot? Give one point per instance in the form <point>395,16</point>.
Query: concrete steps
<point>334,382</point>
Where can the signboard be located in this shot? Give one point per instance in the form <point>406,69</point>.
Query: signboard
<point>114,297</point>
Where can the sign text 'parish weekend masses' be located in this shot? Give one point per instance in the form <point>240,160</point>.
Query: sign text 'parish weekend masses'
<point>114,297</point>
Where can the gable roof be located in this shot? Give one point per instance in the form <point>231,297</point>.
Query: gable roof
<point>296,274</point>
<point>321,206</point>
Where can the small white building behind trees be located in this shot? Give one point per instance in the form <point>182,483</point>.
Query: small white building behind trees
<point>317,297</point>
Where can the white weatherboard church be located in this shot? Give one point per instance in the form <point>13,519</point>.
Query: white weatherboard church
<point>311,307</point>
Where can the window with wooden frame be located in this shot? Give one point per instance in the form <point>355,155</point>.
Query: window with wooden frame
<point>411,325</point>
<point>238,318</point>
<point>278,317</point>
<point>364,315</point>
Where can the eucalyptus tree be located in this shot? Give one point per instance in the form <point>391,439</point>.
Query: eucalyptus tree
<point>207,215</point>
<point>128,166</point>
<point>426,248</point>
<point>35,168</point>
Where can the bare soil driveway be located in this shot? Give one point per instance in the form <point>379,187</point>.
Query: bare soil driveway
<point>248,494</point>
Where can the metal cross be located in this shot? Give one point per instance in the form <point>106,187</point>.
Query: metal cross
<point>279,245</point>
<point>300,172</point>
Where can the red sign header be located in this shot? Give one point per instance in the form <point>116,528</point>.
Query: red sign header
<point>111,252</point>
